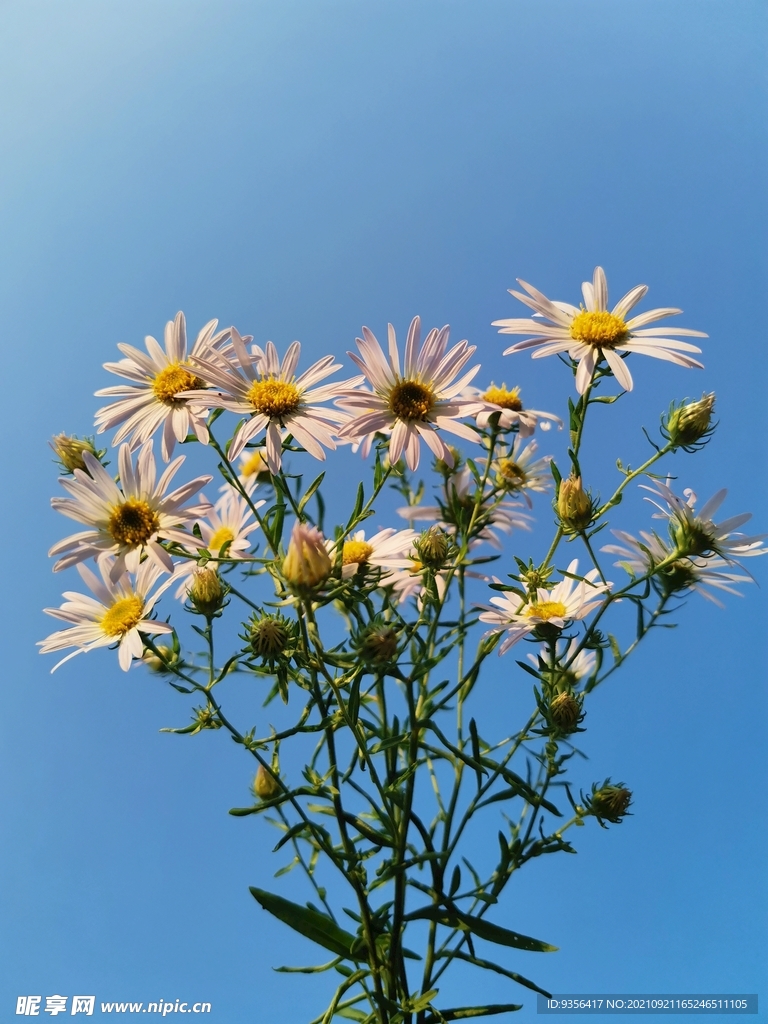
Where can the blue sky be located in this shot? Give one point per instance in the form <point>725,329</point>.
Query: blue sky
<point>299,169</point>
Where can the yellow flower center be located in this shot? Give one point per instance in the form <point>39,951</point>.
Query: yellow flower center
<point>355,551</point>
<point>220,537</point>
<point>274,398</point>
<point>601,329</point>
<point>512,475</point>
<point>174,378</point>
<point>133,522</point>
<point>122,616</point>
<point>409,400</point>
<point>546,610</point>
<point>506,399</point>
<point>254,464</point>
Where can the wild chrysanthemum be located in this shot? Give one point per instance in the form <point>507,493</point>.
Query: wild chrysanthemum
<point>567,601</point>
<point>695,534</point>
<point>641,555</point>
<point>128,520</point>
<point>258,385</point>
<point>591,333</point>
<point>414,402</point>
<point>119,613</point>
<point>158,377</point>
<point>518,471</point>
<point>386,550</point>
<point>507,407</point>
<point>455,509</point>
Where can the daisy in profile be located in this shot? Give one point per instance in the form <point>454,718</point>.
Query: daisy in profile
<point>591,333</point>
<point>152,398</point>
<point>386,550</point>
<point>640,556</point>
<point>118,613</point>
<point>455,509</point>
<point>265,389</point>
<point>412,402</point>
<point>129,520</point>
<point>506,402</point>
<point>519,471</point>
<point>696,534</point>
<point>568,601</point>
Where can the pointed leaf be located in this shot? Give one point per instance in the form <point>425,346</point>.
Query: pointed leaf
<point>311,924</point>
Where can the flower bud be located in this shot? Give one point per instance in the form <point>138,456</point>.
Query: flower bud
<point>307,563</point>
<point>269,635</point>
<point>432,547</point>
<point>265,785</point>
<point>69,451</point>
<point>610,802</point>
<point>565,712</point>
<point>206,591</point>
<point>164,663</point>
<point>378,644</point>
<point>690,423</point>
<point>574,505</point>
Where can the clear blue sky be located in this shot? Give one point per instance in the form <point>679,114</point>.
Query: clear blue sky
<point>299,169</point>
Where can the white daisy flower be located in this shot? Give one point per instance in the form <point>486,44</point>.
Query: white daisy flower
<point>229,521</point>
<point>511,413</point>
<point>260,386</point>
<point>386,550</point>
<point>413,403</point>
<point>153,399</point>
<point>456,504</point>
<point>253,468</point>
<point>520,472</point>
<point>567,601</point>
<point>639,556</point>
<point>582,665</point>
<point>128,520</point>
<point>119,613</point>
<point>591,333</point>
<point>696,534</point>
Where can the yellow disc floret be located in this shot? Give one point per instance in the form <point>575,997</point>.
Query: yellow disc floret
<point>174,378</point>
<point>512,476</point>
<point>410,400</point>
<point>547,610</point>
<point>252,465</point>
<point>220,537</point>
<point>601,329</point>
<point>123,616</point>
<point>355,551</point>
<point>274,398</point>
<point>133,522</point>
<point>503,397</point>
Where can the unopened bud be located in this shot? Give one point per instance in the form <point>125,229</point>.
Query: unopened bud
<point>574,505</point>
<point>378,645</point>
<point>69,451</point>
<point>610,802</point>
<point>269,636</point>
<point>565,711</point>
<point>688,424</point>
<point>206,591</point>
<point>307,563</point>
<point>164,661</point>
<point>432,547</point>
<point>265,785</point>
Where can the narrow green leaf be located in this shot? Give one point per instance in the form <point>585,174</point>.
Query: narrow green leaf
<point>295,830</point>
<point>480,927</point>
<point>488,965</point>
<point>422,1001</point>
<point>310,491</point>
<point>455,881</point>
<point>241,812</point>
<point>465,1012</point>
<point>311,924</point>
